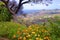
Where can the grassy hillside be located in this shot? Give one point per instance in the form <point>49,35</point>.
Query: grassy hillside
<point>49,30</point>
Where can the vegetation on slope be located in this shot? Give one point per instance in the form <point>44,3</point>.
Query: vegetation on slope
<point>45,31</point>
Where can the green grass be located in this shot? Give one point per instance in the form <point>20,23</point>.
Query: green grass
<point>8,28</point>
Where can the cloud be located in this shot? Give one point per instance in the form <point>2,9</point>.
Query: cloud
<point>59,4</point>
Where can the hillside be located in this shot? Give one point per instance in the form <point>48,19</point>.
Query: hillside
<point>40,16</point>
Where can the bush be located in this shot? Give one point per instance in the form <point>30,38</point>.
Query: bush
<point>9,28</point>
<point>4,13</point>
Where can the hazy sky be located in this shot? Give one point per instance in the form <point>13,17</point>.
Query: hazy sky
<point>55,5</point>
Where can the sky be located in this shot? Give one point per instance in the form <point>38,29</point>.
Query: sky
<point>55,5</point>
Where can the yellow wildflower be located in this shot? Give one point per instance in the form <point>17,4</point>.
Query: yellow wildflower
<point>25,31</point>
<point>38,35</point>
<point>30,39</point>
<point>46,38</point>
<point>28,35</point>
<point>33,32</point>
<point>44,31</point>
<point>24,38</point>
<point>18,32</point>
<point>20,38</point>
<point>14,36</point>
<point>29,28</point>
<point>40,39</point>
<point>37,38</point>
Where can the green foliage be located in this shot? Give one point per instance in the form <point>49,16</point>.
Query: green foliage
<point>4,13</point>
<point>49,31</point>
<point>9,28</point>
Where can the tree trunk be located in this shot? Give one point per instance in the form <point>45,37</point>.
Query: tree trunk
<point>15,18</point>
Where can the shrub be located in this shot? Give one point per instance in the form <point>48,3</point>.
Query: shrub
<point>9,28</point>
<point>33,32</point>
<point>4,14</point>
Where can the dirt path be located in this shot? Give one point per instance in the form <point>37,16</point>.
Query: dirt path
<point>4,39</point>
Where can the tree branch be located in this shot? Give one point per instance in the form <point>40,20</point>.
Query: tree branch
<point>19,5</point>
<point>11,11</point>
<point>26,2</point>
<point>6,3</point>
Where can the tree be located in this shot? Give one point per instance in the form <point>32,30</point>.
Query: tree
<point>16,9</point>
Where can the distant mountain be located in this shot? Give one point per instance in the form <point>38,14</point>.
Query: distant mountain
<point>30,11</point>
<point>55,11</point>
<point>39,11</point>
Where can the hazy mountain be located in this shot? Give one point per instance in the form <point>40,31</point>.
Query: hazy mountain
<point>30,11</point>
<point>55,11</point>
<point>38,11</point>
